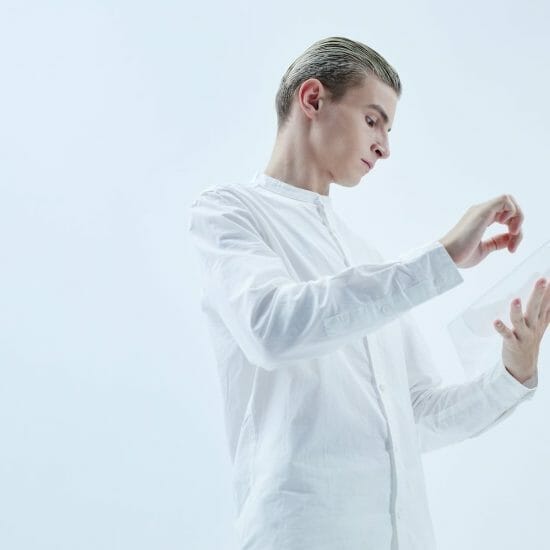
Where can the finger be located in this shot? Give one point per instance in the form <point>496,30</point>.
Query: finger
<point>503,330</point>
<point>510,213</point>
<point>535,301</point>
<point>516,316</point>
<point>495,243</point>
<point>545,304</point>
<point>514,241</point>
<point>515,222</point>
<point>504,208</point>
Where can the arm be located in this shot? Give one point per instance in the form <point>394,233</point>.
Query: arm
<point>445,415</point>
<point>276,319</point>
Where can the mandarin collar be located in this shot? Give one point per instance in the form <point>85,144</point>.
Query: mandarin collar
<point>289,190</point>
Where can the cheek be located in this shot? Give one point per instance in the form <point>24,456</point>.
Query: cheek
<point>330,140</point>
<point>360,141</point>
<point>340,141</point>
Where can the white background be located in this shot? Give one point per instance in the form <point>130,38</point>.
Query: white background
<point>113,117</point>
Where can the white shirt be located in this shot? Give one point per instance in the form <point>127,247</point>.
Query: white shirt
<point>330,392</point>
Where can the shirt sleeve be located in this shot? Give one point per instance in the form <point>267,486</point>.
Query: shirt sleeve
<point>445,415</point>
<point>276,319</point>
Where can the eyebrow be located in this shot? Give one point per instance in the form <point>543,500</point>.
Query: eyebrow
<point>378,108</point>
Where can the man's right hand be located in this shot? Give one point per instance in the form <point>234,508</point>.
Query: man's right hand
<point>464,242</point>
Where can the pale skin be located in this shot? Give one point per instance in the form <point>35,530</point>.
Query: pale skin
<point>521,345</point>
<point>324,142</point>
<point>465,245</point>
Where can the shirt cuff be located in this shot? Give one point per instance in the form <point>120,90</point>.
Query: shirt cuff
<point>508,387</point>
<point>531,383</point>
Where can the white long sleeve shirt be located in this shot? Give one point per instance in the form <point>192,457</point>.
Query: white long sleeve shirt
<point>330,391</point>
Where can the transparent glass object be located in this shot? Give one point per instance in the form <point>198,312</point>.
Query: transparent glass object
<point>472,332</point>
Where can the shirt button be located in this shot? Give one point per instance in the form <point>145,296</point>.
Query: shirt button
<point>385,309</point>
<point>381,387</point>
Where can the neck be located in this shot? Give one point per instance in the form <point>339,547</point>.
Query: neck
<point>293,162</point>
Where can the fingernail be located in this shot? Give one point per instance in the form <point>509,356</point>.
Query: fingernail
<point>517,302</point>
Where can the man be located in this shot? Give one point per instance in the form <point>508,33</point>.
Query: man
<point>329,389</point>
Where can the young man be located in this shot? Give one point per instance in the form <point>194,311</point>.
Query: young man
<point>329,388</point>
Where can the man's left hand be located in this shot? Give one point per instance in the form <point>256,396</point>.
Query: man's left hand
<point>520,348</point>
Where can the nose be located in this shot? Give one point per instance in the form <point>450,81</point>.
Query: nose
<point>382,149</point>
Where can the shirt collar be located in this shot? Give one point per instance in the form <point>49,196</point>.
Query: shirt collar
<point>292,191</point>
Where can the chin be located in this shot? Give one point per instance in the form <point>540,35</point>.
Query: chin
<point>345,179</point>
<point>348,183</point>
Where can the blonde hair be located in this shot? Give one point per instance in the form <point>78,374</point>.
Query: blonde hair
<point>339,63</point>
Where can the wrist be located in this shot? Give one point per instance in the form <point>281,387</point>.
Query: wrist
<point>447,247</point>
<point>522,376</point>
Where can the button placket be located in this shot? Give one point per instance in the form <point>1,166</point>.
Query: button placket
<point>326,221</point>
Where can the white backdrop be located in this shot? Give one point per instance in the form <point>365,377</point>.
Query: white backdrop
<point>113,117</point>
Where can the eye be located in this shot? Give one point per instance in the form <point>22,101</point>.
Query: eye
<point>369,120</point>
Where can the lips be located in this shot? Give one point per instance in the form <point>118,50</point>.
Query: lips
<point>367,163</point>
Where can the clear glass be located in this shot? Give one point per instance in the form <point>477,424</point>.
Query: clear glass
<point>474,336</point>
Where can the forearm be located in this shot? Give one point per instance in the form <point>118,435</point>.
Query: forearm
<point>447,415</point>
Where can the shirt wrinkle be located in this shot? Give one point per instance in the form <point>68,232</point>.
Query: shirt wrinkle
<point>330,391</point>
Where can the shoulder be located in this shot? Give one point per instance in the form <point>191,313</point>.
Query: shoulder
<point>222,193</point>
<point>223,207</point>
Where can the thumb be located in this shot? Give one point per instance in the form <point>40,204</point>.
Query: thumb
<point>497,242</point>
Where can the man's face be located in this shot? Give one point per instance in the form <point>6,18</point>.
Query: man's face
<point>345,134</point>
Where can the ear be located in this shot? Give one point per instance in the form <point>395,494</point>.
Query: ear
<point>311,95</point>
